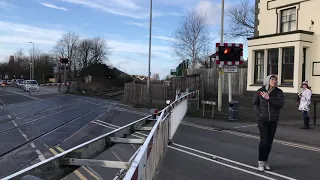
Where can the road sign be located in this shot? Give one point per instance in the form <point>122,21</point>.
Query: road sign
<point>230,69</point>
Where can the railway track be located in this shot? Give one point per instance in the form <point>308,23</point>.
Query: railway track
<point>20,146</point>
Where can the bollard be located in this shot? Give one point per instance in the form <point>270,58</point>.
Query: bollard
<point>233,113</point>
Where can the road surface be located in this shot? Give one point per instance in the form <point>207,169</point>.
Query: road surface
<point>36,126</point>
<point>205,153</point>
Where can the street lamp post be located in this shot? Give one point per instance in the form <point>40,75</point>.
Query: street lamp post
<point>149,61</point>
<point>220,66</point>
<point>30,70</point>
<point>32,77</point>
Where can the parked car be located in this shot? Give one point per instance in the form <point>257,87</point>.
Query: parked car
<point>31,85</point>
<point>19,83</point>
<point>4,82</point>
<point>13,81</point>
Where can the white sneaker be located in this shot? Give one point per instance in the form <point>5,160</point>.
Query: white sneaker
<point>266,166</point>
<point>260,166</point>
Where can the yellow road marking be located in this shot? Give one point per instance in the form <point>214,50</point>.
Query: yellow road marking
<point>60,149</point>
<point>53,151</point>
<point>86,169</point>
<point>92,174</point>
<point>80,176</point>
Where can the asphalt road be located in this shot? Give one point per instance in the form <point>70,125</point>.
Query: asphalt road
<point>36,126</point>
<point>204,153</point>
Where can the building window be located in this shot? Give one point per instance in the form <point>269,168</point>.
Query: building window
<point>273,58</point>
<point>288,20</point>
<point>259,66</point>
<point>287,66</point>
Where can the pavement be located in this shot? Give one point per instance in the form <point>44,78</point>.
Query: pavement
<point>289,115</point>
<point>35,126</point>
<point>216,149</point>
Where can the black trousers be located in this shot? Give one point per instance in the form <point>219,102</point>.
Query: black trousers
<point>267,132</point>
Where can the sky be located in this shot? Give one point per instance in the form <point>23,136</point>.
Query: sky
<point>124,24</point>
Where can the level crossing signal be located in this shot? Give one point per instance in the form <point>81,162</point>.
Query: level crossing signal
<point>64,60</point>
<point>229,53</point>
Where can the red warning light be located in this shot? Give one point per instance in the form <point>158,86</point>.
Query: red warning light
<point>226,51</point>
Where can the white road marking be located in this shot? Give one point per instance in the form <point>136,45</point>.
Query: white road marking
<point>23,94</point>
<point>2,103</point>
<point>122,104</point>
<point>40,155</point>
<point>245,126</point>
<point>116,155</point>
<point>23,134</point>
<point>14,123</point>
<point>133,147</point>
<point>7,94</point>
<point>112,125</point>
<point>32,145</point>
<point>301,146</point>
<point>108,125</point>
<point>131,111</point>
<point>9,116</point>
<point>103,125</point>
<point>1,107</point>
<point>223,164</point>
<point>231,161</point>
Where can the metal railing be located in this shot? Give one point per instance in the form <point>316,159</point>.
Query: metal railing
<point>142,165</point>
<point>145,163</point>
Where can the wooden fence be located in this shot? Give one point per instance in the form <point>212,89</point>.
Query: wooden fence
<point>209,80</point>
<point>136,93</point>
<point>205,80</point>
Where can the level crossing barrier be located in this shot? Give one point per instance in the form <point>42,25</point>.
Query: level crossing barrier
<point>146,162</point>
<point>141,166</point>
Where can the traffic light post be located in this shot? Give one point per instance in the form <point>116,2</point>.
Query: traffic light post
<point>64,61</point>
<point>228,55</point>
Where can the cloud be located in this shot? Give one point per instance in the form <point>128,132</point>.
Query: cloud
<point>132,57</point>
<point>5,5</point>
<point>10,17</point>
<point>129,47</point>
<point>164,38</point>
<point>54,6</point>
<point>16,35</point>
<point>128,8</point>
<point>144,25</point>
<point>211,10</point>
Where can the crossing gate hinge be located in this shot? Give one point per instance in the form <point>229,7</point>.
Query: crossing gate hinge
<point>93,162</point>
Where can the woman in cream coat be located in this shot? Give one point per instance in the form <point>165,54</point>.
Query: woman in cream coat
<point>305,101</point>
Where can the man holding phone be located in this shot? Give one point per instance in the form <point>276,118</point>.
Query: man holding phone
<point>267,103</point>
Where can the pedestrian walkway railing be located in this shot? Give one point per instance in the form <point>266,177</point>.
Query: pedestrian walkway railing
<point>143,163</point>
<point>146,162</point>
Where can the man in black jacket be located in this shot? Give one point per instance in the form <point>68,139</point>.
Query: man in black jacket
<point>267,103</point>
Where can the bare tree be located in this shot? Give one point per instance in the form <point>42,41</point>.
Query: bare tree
<point>192,39</point>
<point>66,47</point>
<point>83,53</point>
<point>241,20</point>
<point>100,51</point>
<point>34,53</point>
<point>155,76</point>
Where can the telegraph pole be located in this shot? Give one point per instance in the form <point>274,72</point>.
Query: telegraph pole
<point>220,65</point>
<point>149,62</point>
